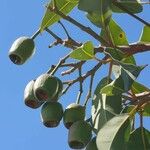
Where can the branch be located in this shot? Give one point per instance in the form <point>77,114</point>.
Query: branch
<point>119,5</point>
<point>81,87</point>
<point>74,67</point>
<point>135,48</point>
<point>79,25</point>
<point>89,94</point>
<point>128,50</point>
<point>83,77</point>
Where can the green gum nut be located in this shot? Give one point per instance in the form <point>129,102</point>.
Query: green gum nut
<point>59,92</point>
<point>51,114</point>
<point>92,145</point>
<point>74,112</point>
<point>80,134</point>
<point>29,99</point>
<point>46,87</point>
<point>21,50</point>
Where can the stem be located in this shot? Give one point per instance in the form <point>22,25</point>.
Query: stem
<point>119,5</point>
<point>35,34</point>
<point>142,129</point>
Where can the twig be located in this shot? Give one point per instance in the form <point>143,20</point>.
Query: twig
<point>35,34</point>
<point>54,35</point>
<point>89,73</point>
<point>52,72</point>
<point>75,67</point>
<point>79,25</point>
<point>81,87</point>
<point>142,129</point>
<point>90,90</point>
<point>119,5</point>
<point>64,29</point>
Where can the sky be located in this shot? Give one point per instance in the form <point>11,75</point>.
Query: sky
<point>21,127</point>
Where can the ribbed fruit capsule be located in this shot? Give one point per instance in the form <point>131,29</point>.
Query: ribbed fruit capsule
<point>21,50</point>
<point>80,134</point>
<point>29,99</point>
<point>92,145</point>
<point>51,114</point>
<point>46,88</point>
<point>74,112</point>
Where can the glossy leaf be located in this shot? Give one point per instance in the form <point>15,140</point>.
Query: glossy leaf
<point>99,12</point>
<point>85,52</point>
<point>132,5</point>
<point>136,142</point>
<point>145,35</point>
<point>116,33</point>
<point>114,134</point>
<point>104,107</point>
<point>50,18</point>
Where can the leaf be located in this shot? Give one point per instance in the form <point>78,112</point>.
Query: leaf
<point>133,6</point>
<point>139,88</point>
<point>85,52</point>
<point>135,140</point>
<point>145,35</point>
<point>118,55</point>
<point>114,134</point>
<point>123,83</point>
<point>104,107</point>
<point>116,69</point>
<point>118,36</point>
<point>50,18</point>
<point>116,87</point>
<point>146,110</point>
<point>99,12</point>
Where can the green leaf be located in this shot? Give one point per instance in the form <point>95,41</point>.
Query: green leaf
<point>123,83</point>
<point>114,134</point>
<point>99,12</point>
<point>135,140</point>
<point>145,35</point>
<point>133,6</point>
<point>139,88</point>
<point>85,52</point>
<point>116,69</point>
<point>118,36</point>
<point>116,87</point>
<point>104,107</point>
<point>50,17</point>
<point>146,110</point>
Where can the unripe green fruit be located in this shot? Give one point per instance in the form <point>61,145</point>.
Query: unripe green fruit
<point>59,92</point>
<point>80,134</point>
<point>92,145</point>
<point>74,112</point>
<point>46,87</point>
<point>51,114</point>
<point>21,50</point>
<point>29,97</point>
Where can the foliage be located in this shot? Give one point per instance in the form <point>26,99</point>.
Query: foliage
<point>117,98</point>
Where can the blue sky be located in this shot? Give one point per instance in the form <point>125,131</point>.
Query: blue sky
<point>20,127</point>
